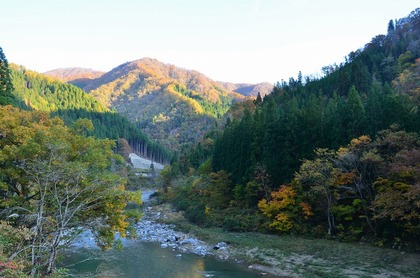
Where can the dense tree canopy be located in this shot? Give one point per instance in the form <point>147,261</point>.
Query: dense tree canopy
<point>56,182</point>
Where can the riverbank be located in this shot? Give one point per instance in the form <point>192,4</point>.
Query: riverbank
<point>283,256</point>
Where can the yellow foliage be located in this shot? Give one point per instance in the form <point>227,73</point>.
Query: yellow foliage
<point>345,178</point>
<point>306,210</point>
<point>360,142</point>
<point>282,223</point>
<point>193,103</point>
<point>281,208</point>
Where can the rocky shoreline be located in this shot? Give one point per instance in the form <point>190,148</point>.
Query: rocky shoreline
<point>152,228</point>
<point>149,230</point>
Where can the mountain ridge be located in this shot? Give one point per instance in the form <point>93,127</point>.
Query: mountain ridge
<point>77,76</point>
<point>88,79</point>
<point>249,89</point>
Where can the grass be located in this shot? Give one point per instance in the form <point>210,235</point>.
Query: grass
<point>290,255</point>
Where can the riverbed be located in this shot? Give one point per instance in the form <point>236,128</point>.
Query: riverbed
<point>145,259</point>
<point>159,251</point>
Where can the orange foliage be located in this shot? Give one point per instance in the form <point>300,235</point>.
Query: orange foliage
<point>284,208</point>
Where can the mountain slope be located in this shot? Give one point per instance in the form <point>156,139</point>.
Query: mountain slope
<point>173,105</point>
<point>44,93</point>
<point>79,77</point>
<point>246,89</point>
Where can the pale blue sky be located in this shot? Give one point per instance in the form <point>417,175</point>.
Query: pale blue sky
<point>227,40</point>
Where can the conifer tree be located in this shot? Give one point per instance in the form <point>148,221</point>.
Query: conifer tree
<point>6,86</point>
<point>391,26</point>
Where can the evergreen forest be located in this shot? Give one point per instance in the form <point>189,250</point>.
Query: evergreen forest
<point>336,156</point>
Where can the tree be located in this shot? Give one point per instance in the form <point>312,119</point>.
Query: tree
<point>397,204</point>
<point>355,112</point>
<point>6,86</point>
<point>285,209</point>
<point>258,100</point>
<point>357,165</point>
<point>12,241</point>
<point>57,183</point>
<point>391,26</point>
<point>220,190</point>
<point>317,178</point>
<point>124,148</point>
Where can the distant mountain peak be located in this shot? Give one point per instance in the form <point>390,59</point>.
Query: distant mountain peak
<point>72,73</point>
<point>75,75</point>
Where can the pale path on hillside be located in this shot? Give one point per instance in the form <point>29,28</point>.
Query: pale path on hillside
<point>143,163</point>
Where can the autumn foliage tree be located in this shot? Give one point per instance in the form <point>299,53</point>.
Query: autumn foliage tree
<point>56,183</point>
<point>367,188</point>
<point>285,209</point>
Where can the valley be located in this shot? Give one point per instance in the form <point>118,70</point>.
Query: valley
<point>316,176</point>
<point>174,106</point>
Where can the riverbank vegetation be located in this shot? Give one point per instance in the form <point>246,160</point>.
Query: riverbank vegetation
<point>291,255</point>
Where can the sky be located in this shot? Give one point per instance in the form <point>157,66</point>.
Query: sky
<point>242,41</point>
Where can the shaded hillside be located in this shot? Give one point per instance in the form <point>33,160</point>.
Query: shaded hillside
<point>246,89</point>
<point>376,87</point>
<point>79,77</point>
<point>171,104</point>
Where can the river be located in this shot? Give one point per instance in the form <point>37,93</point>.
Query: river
<point>159,252</point>
<point>144,259</point>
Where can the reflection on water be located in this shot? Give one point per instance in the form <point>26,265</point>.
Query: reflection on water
<point>140,259</point>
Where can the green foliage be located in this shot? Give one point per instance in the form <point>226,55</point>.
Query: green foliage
<point>289,125</point>
<point>56,182</point>
<point>12,253</point>
<point>366,189</point>
<point>114,126</point>
<point>44,93</point>
<point>6,86</point>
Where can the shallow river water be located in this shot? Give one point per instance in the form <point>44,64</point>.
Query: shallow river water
<point>144,259</point>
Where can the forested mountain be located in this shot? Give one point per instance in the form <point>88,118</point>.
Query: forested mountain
<point>44,93</point>
<point>173,105</point>
<point>39,92</point>
<point>337,155</point>
<point>79,77</point>
<point>376,87</point>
